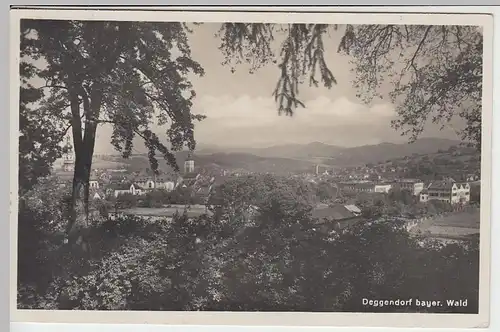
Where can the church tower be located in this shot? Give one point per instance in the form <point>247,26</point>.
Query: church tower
<point>68,156</point>
<point>189,165</point>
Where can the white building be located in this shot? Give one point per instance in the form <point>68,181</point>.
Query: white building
<point>189,166</point>
<point>148,183</point>
<point>424,196</point>
<point>122,189</point>
<point>449,191</point>
<point>382,188</point>
<point>94,183</point>
<point>412,185</point>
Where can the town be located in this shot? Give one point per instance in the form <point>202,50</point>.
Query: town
<point>150,196</point>
<point>174,166</point>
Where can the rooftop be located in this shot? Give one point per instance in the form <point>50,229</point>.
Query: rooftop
<point>120,186</point>
<point>441,185</point>
<point>335,212</point>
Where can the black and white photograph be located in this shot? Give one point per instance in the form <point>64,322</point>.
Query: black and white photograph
<point>258,164</point>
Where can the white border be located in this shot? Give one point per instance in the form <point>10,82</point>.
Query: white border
<point>274,319</point>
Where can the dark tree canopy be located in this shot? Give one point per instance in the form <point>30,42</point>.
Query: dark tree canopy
<point>127,74</point>
<point>40,135</point>
<point>121,73</point>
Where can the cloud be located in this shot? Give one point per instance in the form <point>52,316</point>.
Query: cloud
<point>246,120</point>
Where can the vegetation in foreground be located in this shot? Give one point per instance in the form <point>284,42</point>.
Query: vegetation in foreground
<point>238,259</point>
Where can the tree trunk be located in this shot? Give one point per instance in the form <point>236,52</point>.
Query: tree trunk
<point>84,149</point>
<point>78,224</point>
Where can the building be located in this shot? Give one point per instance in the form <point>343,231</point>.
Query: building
<point>189,166</point>
<point>157,182</point>
<point>358,186</point>
<point>424,196</point>
<point>68,157</point>
<point>449,191</point>
<point>472,177</point>
<point>165,182</point>
<point>96,194</point>
<point>94,182</point>
<point>336,217</point>
<point>382,188</point>
<point>118,189</point>
<point>413,185</point>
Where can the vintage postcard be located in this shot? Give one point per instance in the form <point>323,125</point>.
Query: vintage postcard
<point>251,167</point>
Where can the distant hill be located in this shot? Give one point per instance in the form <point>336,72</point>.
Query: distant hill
<point>385,151</point>
<point>297,151</point>
<point>330,154</point>
<point>220,160</point>
<point>293,157</point>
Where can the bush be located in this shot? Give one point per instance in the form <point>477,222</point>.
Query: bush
<point>273,259</point>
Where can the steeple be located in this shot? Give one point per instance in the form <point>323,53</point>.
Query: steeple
<point>189,165</point>
<point>68,156</point>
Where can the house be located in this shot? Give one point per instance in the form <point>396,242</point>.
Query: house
<point>144,183</point>
<point>96,194</point>
<point>94,182</point>
<point>413,185</point>
<point>118,189</point>
<point>354,209</point>
<point>358,186</point>
<point>382,188</point>
<point>449,191</point>
<point>424,196</point>
<point>472,177</point>
<point>336,217</point>
<point>165,184</point>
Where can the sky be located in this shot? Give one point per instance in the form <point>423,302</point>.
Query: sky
<point>241,111</point>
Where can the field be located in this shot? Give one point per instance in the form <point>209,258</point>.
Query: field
<point>464,219</point>
<point>454,225</point>
<point>192,211</point>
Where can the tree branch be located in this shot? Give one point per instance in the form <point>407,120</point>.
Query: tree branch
<point>411,63</point>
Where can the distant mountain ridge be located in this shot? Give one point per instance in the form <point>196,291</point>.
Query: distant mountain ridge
<point>359,154</point>
<point>295,157</point>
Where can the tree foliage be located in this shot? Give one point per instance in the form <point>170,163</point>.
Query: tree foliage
<point>431,72</point>
<point>40,133</point>
<point>301,55</point>
<point>123,73</point>
<point>274,263</point>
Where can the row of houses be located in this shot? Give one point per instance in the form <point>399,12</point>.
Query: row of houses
<point>413,185</point>
<point>448,190</point>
